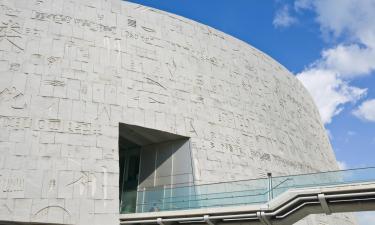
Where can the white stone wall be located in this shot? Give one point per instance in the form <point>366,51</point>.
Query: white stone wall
<point>71,70</point>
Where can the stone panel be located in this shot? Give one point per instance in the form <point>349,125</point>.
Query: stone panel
<point>70,71</point>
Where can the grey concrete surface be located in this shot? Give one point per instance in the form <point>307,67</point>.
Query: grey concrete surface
<point>71,70</point>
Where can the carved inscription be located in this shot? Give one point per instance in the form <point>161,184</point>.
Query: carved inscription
<point>14,97</point>
<point>9,11</point>
<point>132,23</point>
<point>39,2</point>
<point>83,54</point>
<point>51,60</point>
<point>148,29</point>
<point>153,100</point>
<point>10,31</point>
<point>145,53</point>
<point>55,83</point>
<point>60,19</point>
<point>9,93</point>
<point>44,211</point>
<point>34,31</point>
<point>86,182</point>
<point>52,184</point>
<point>192,128</point>
<point>56,125</point>
<point>151,81</point>
<point>14,67</point>
<point>172,67</point>
<point>84,179</point>
<point>12,184</point>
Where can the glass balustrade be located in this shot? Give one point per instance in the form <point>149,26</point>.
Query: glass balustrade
<point>234,193</point>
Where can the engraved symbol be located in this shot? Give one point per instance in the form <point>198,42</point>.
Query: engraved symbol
<point>148,29</point>
<point>10,31</point>
<point>155,83</point>
<point>9,11</point>
<point>44,211</point>
<point>172,67</point>
<point>38,2</point>
<point>52,184</point>
<point>213,61</point>
<point>152,100</point>
<point>51,60</point>
<point>55,83</point>
<point>7,208</point>
<point>14,96</point>
<point>103,114</point>
<point>14,67</point>
<point>84,182</point>
<point>12,184</point>
<point>192,128</point>
<point>84,179</point>
<point>132,23</point>
<point>83,53</point>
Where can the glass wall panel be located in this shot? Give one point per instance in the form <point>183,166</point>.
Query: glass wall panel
<point>164,162</point>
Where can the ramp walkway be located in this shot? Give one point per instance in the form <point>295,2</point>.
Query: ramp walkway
<point>270,201</point>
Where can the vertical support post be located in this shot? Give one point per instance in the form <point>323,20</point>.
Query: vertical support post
<point>143,199</point>
<point>190,185</point>
<point>164,187</point>
<point>270,189</point>
<point>171,190</point>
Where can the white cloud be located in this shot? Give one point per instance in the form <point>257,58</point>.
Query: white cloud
<point>352,23</point>
<point>283,17</point>
<point>302,4</point>
<point>342,165</point>
<point>329,91</point>
<point>365,218</point>
<point>366,111</point>
<point>349,17</point>
<point>348,60</point>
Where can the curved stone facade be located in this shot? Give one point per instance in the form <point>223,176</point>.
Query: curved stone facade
<point>70,71</point>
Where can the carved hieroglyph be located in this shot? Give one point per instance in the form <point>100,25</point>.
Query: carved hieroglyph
<point>70,71</point>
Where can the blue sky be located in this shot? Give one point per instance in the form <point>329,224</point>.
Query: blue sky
<point>328,44</point>
<point>302,36</point>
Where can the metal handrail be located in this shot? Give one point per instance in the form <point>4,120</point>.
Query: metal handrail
<point>263,178</point>
<point>303,180</point>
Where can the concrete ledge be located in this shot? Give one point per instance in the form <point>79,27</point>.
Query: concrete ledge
<point>292,203</point>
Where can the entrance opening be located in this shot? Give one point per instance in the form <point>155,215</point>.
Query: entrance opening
<point>150,158</point>
<point>129,167</point>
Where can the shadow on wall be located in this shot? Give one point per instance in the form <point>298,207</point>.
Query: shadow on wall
<point>150,158</point>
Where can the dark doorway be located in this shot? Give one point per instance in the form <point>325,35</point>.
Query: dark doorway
<point>129,166</point>
<point>150,158</point>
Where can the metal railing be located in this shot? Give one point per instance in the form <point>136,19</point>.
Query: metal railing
<point>244,192</point>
